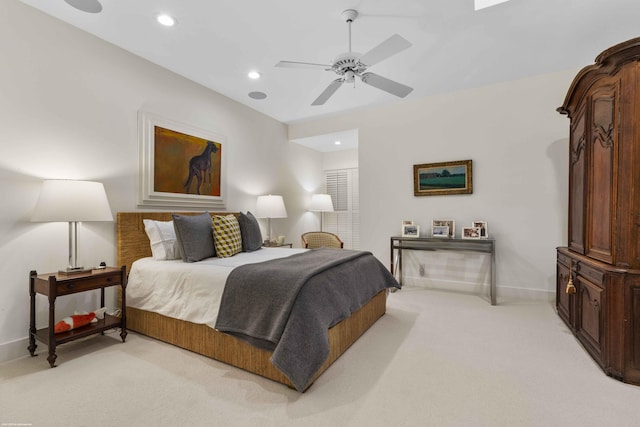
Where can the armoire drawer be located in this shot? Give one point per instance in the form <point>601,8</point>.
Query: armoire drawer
<point>591,274</point>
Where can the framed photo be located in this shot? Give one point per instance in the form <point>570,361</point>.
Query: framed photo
<point>484,231</point>
<point>440,231</point>
<point>180,165</point>
<point>470,232</point>
<point>448,222</point>
<point>433,179</point>
<point>410,230</point>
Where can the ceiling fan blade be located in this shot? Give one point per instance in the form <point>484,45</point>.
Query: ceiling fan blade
<point>293,64</point>
<point>384,50</point>
<point>383,83</point>
<point>326,94</point>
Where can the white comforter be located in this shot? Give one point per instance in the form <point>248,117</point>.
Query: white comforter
<point>189,291</point>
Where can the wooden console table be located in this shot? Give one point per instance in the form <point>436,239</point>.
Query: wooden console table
<point>443,243</point>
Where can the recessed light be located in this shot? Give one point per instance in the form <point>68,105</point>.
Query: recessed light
<point>257,95</point>
<point>166,20</point>
<point>254,75</point>
<point>337,143</point>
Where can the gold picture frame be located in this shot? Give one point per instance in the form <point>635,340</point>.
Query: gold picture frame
<point>444,178</point>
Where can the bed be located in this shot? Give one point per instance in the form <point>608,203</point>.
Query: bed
<point>133,244</point>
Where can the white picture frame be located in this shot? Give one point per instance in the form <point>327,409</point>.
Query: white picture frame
<point>470,233</point>
<point>147,196</point>
<point>484,229</point>
<point>410,230</point>
<point>441,231</point>
<point>442,222</point>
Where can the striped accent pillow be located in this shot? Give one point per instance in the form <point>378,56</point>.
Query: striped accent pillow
<point>226,235</point>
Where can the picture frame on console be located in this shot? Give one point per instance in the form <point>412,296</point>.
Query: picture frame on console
<point>180,165</point>
<point>440,231</point>
<point>470,233</point>
<point>410,230</point>
<point>484,230</point>
<point>444,222</point>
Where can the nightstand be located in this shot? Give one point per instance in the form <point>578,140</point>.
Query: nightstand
<point>55,285</point>
<point>277,245</point>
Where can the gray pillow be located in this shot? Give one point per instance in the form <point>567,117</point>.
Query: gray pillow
<point>195,236</point>
<point>250,231</point>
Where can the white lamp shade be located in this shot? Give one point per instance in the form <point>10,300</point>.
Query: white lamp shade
<point>270,207</point>
<point>321,203</point>
<point>64,200</point>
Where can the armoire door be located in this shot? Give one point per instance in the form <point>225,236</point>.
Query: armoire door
<point>564,300</point>
<point>601,157</point>
<point>590,329</point>
<point>577,182</point>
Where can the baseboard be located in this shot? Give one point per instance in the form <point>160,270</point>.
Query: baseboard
<point>503,293</point>
<point>511,293</point>
<point>14,349</point>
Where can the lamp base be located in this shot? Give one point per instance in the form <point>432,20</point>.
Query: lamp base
<point>74,270</point>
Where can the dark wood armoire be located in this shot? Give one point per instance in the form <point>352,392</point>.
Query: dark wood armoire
<point>598,274</point>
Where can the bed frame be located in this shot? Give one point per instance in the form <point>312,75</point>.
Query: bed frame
<point>133,244</point>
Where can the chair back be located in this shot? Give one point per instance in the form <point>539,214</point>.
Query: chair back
<point>319,239</point>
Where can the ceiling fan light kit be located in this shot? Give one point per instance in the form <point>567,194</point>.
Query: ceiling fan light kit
<point>351,64</point>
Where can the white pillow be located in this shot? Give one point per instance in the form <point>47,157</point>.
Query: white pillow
<point>164,243</point>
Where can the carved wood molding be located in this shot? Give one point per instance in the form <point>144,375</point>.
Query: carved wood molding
<point>594,303</point>
<point>605,136</point>
<point>577,149</point>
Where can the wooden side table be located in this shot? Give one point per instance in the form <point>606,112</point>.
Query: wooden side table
<point>54,285</point>
<point>277,245</point>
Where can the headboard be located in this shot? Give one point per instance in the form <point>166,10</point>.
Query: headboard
<point>132,241</point>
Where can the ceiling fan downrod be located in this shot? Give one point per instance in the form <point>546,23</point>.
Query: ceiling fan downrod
<point>349,15</point>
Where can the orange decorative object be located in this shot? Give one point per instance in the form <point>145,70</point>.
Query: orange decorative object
<point>74,321</point>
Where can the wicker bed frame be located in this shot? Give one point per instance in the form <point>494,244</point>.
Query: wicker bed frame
<point>133,244</point>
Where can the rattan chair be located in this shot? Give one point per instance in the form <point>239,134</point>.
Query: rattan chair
<point>319,239</point>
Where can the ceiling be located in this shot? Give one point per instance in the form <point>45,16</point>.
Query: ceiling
<point>216,43</point>
<point>336,141</point>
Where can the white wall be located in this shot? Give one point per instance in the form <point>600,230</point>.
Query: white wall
<point>519,147</point>
<point>343,159</point>
<point>68,109</point>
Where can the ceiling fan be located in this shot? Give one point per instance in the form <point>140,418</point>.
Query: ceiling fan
<point>351,64</point>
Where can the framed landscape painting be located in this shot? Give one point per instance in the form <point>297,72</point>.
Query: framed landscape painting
<point>432,179</point>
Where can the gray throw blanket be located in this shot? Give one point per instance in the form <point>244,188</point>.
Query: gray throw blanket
<point>287,305</point>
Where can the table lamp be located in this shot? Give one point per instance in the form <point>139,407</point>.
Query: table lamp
<point>63,200</point>
<point>270,207</point>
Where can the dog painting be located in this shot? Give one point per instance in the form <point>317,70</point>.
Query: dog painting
<point>186,164</point>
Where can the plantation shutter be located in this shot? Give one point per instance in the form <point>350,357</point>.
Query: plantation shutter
<point>342,186</point>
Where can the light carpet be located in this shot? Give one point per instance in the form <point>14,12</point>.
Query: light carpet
<point>435,359</point>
